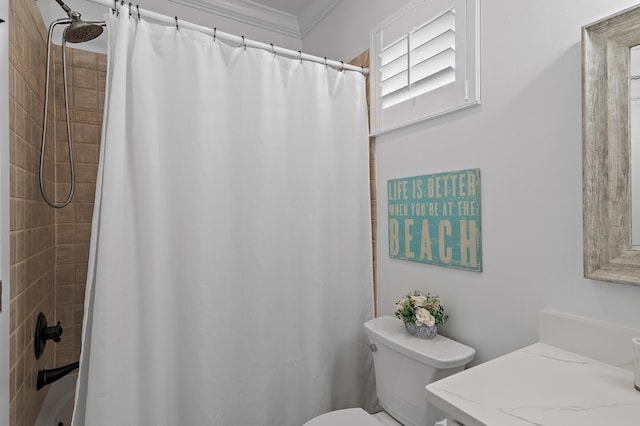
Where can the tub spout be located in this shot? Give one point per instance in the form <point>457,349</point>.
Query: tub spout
<point>46,377</point>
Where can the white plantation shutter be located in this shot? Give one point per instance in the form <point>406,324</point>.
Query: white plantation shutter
<point>424,62</point>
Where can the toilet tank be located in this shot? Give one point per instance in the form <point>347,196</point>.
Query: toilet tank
<point>405,364</point>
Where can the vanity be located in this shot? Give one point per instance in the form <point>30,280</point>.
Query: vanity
<point>539,385</point>
<point>579,373</point>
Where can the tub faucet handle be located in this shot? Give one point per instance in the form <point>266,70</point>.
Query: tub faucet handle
<point>44,333</point>
<point>53,333</point>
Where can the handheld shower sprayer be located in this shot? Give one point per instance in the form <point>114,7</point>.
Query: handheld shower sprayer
<point>76,31</point>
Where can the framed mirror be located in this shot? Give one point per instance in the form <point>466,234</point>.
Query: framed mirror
<point>608,251</point>
<point>634,140</point>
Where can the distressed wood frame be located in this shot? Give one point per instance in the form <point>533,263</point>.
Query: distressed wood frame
<point>608,254</point>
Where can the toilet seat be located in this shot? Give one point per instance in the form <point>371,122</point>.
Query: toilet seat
<point>346,417</point>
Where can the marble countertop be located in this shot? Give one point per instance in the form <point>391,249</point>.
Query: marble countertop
<point>539,385</point>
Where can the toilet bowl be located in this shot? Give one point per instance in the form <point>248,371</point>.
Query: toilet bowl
<point>403,365</point>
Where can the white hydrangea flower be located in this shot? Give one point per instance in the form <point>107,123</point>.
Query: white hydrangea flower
<point>423,316</point>
<point>418,300</point>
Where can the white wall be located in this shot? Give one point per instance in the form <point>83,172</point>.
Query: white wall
<point>526,139</point>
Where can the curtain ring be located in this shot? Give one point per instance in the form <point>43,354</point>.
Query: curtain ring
<point>115,6</point>
<point>244,45</point>
<point>273,50</point>
<point>325,61</point>
<point>342,67</point>
<point>300,55</point>
<point>177,27</point>
<point>215,29</point>
<point>138,8</point>
<point>130,5</point>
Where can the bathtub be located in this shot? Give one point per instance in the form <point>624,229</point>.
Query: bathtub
<point>58,405</point>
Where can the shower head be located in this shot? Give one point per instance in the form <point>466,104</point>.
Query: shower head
<point>79,31</point>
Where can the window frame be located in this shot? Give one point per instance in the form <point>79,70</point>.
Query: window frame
<point>462,93</point>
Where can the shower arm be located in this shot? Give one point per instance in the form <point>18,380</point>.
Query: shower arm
<point>66,8</point>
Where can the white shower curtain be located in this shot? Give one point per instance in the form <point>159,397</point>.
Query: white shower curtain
<point>230,271</point>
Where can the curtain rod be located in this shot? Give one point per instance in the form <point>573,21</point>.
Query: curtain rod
<point>241,40</point>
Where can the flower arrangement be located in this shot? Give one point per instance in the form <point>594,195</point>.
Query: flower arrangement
<point>421,310</point>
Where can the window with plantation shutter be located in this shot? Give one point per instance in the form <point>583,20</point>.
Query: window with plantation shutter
<point>424,62</point>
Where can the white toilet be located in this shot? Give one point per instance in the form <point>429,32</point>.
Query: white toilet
<point>404,365</point>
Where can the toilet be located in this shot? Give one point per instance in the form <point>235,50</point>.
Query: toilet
<point>404,365</point>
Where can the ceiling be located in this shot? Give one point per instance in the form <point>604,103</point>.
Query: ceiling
<point>295,18</point>
<point>293,7</point>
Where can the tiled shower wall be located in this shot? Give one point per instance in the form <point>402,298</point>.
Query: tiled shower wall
<point>86,74</point>
<point>49,248</point>
<point>32,229</point>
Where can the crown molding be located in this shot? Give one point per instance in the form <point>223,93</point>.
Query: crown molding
<point>313,14</point>
<point>249,12</point>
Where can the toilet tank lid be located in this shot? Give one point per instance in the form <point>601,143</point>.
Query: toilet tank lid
<point>439,352</point>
